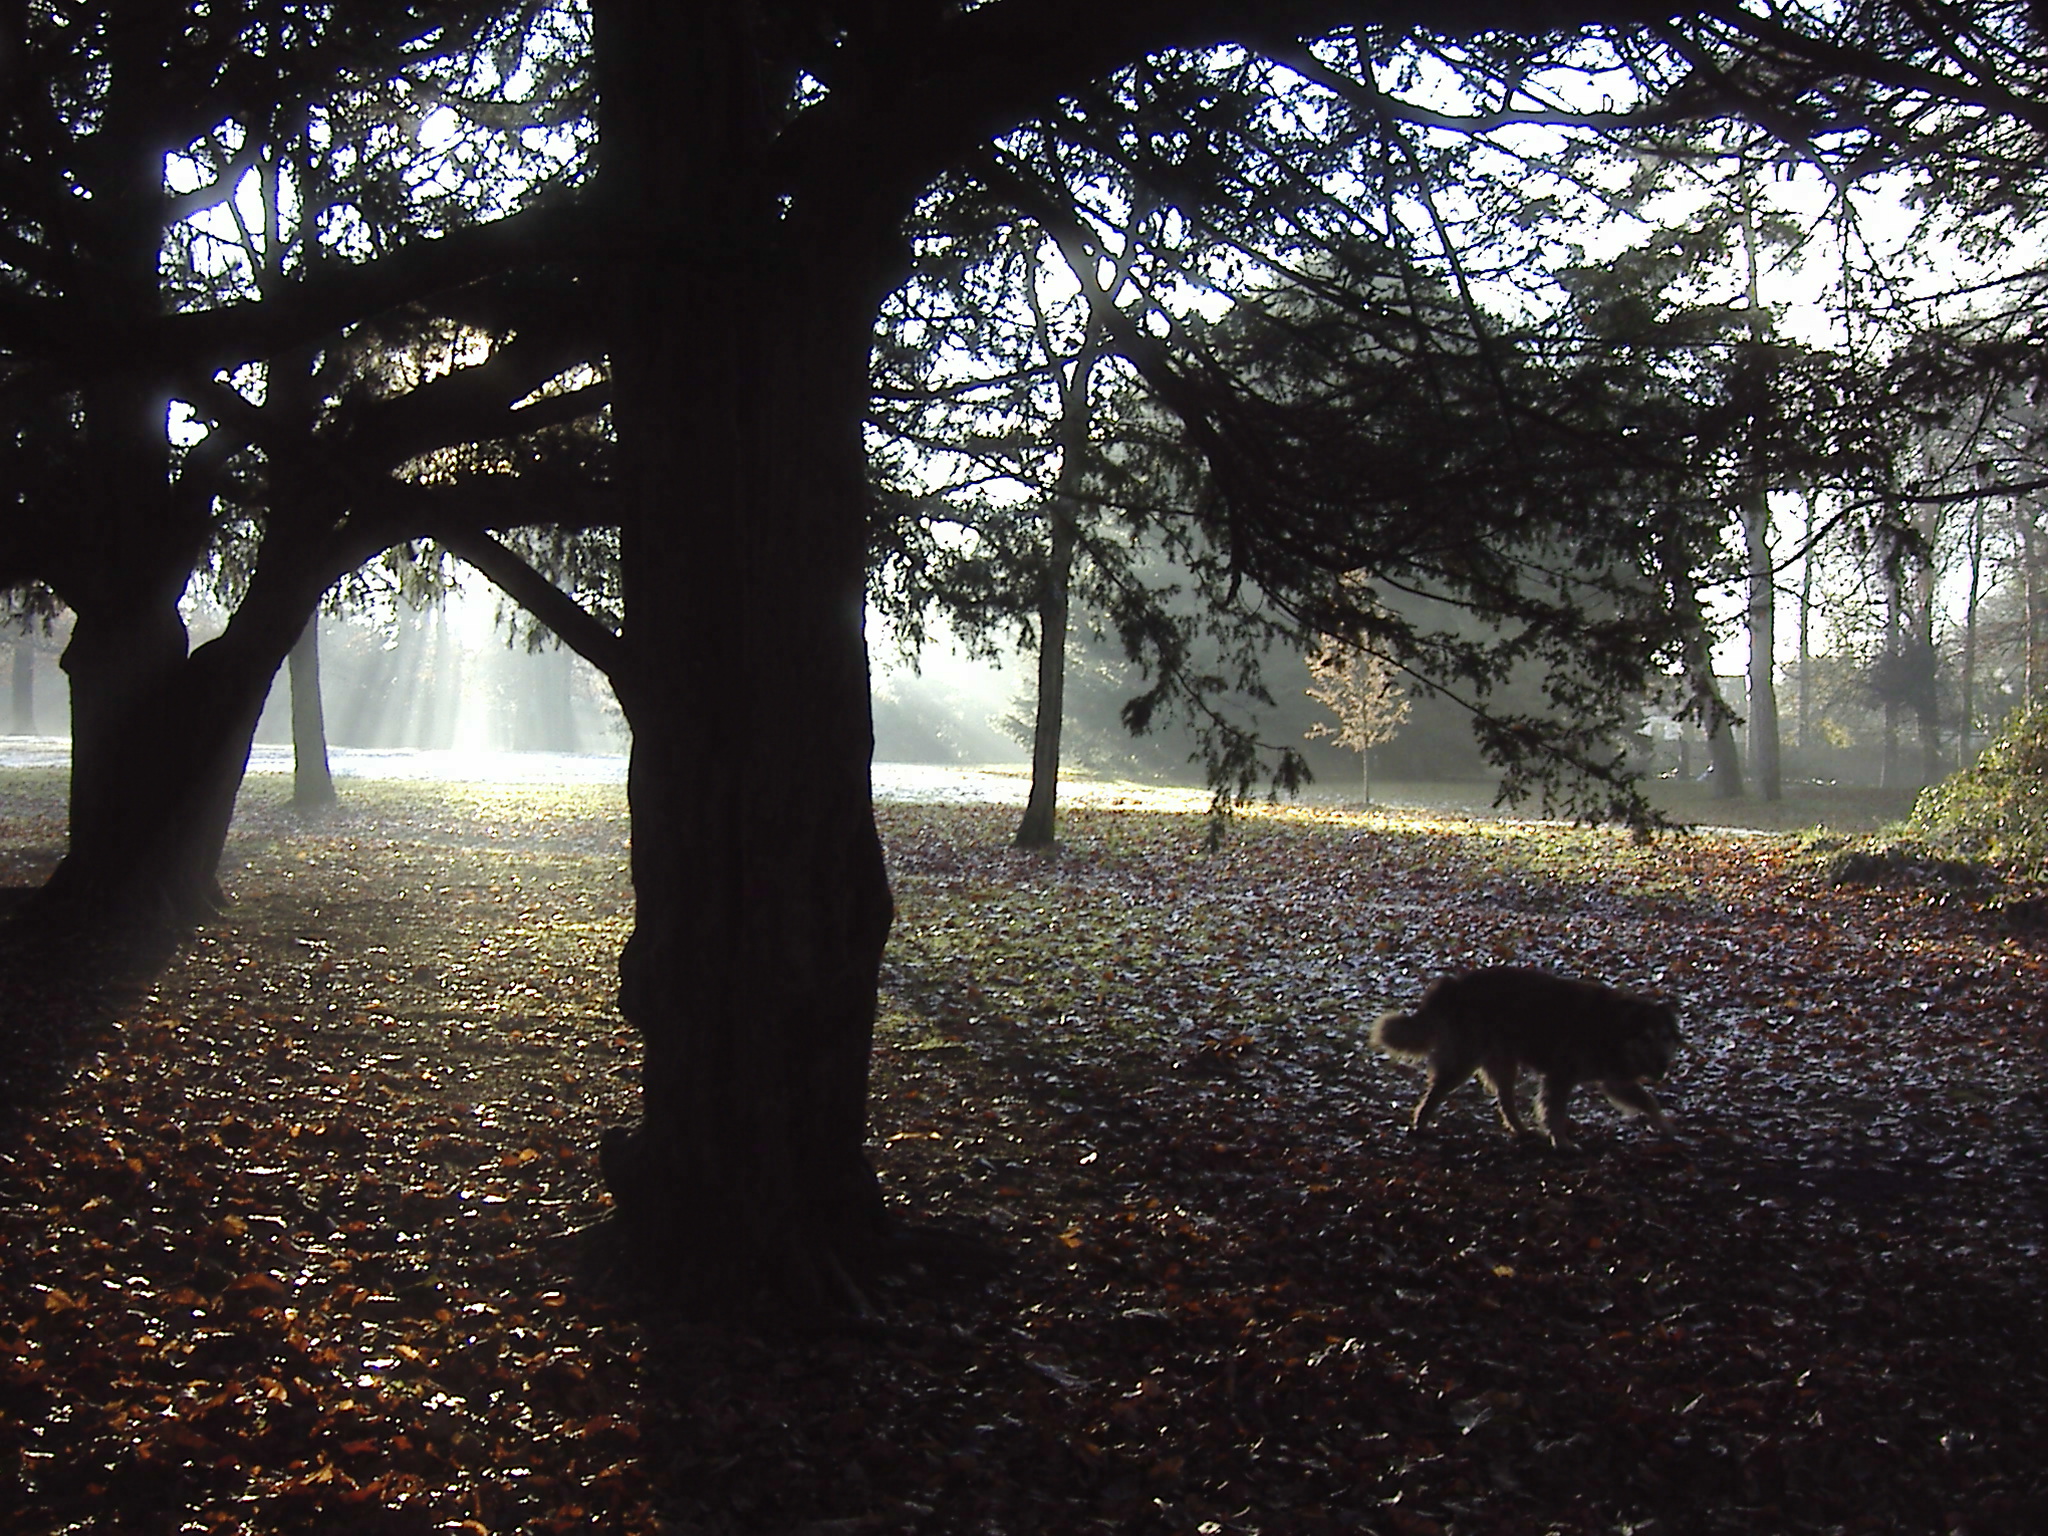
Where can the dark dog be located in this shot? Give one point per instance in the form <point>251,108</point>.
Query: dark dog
<point>1567,1032</point>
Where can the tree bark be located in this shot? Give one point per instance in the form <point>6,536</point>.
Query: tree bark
<point>1039,826</point>
<point>158,738</point>
<point>145,786</point>
<point>740,382</point>
<point>1806,634</point>
<point>312,777</point>
<point>1764,762</point>
<point>1894,651</point>
<point>160,735</point>
<point>1966,714</point>
<point>159,743</point>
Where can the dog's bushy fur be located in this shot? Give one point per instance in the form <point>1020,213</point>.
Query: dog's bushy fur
<point>1496,1021</point>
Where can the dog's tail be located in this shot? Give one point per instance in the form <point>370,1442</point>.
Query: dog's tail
<point>1404,1034</point>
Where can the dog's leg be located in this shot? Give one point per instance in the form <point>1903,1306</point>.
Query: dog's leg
<point>1636,1100</point>
<point>1498,1073</point>
<point>1552,1109</point>
<point>1447,1075</point>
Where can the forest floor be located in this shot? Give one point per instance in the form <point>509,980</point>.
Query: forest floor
<point>292,1238</point>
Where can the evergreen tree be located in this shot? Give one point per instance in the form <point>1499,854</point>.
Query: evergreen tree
<point>222,221</point>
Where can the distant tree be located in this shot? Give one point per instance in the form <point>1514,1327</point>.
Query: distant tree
<point>1065,509</point>
<point>1973,608</point>
<point>990,370</point>
<point>37,621</point>
<point>543,712</point>
<point>22,716</point>
<point>1717,720</point>
<point>2031,529</point>
<point>312,776</point>
<point>1759,396</point>
<point>1963,445</point>
<point>1809,545</point>
<point>1365,694</point>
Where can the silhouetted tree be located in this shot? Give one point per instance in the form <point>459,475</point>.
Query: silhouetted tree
<point>1002,386</point>
<point>803,138</point>
<point>243,296</point>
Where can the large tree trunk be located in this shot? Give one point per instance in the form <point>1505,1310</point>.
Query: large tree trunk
<point>153,764</point>
<point>159,743</point>
<point>739,384</point>
<point>160,738</point>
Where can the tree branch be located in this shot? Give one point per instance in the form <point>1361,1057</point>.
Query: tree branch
<point>561,613</point>
<point>59,343</point>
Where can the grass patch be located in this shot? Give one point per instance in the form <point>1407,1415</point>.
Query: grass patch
<point>1804,807</point>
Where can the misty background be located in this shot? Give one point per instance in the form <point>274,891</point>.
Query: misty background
<point>453,689</point>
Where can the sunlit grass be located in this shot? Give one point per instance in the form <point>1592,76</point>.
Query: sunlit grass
<point>1803,807</point>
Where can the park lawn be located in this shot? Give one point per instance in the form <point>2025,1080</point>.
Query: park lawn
<point>305,1234</point>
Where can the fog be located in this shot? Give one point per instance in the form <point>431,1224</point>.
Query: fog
<point>949,707</point>
<point>440,693</point>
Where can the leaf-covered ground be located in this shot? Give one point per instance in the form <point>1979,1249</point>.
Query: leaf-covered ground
<point>291,1242</point>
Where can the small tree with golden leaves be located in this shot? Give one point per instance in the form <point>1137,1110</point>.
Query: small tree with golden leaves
<point>1362,689</point>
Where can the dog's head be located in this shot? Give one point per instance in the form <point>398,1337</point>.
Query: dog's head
<point>1654,1041</point>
